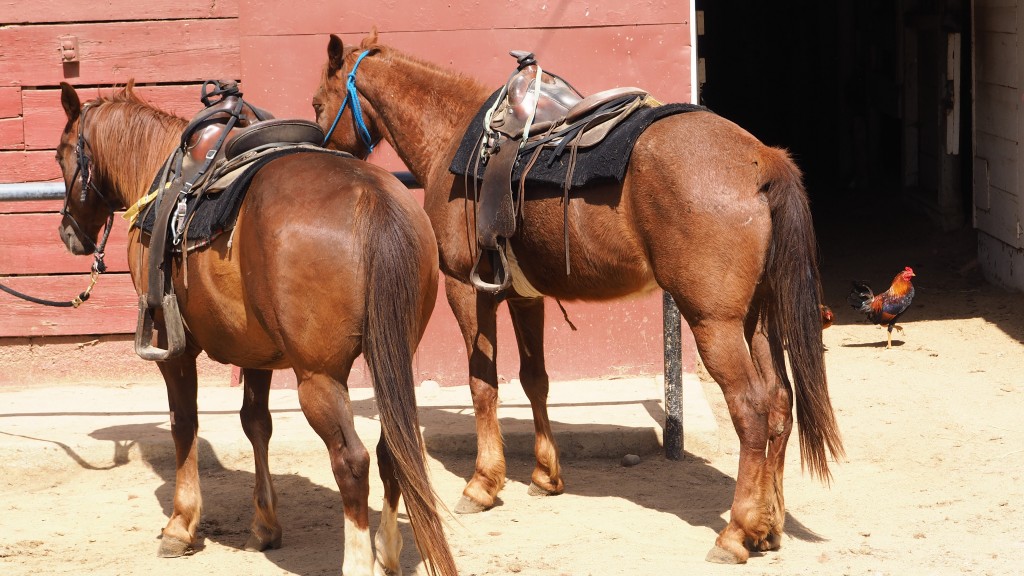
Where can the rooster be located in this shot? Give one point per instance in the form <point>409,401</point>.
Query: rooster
<point>827,317</point>
<point>887,307</point>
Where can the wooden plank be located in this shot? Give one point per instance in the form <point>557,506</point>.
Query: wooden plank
<point>45,118</point>
<point>656,58</point>
<point>1002,158</point>
<point>22,12</point>
<point>273,18</point>
<point>32,166</point>
<point>996,58</point>
<point>995,19</point>
<point>10,101</point>
<point>996,111</point>
<point>27,207</point>
<point>111,309</point>
<point>29,244</point>
<point>113,52</point>
<point>12,134</point>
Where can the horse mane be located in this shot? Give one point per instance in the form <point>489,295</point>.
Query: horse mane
<point>459,80</point>
<point>123,124</point>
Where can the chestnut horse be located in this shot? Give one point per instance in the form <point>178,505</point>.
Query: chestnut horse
<point>706,212</point>
<point>330,257</point>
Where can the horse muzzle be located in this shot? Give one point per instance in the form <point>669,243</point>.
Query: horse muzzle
<point>69,236</point>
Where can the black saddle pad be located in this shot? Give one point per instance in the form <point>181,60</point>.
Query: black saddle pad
<point>604,162</point>
<point>216,213</point>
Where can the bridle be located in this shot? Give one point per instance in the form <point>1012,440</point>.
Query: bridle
<point>83,172</point>
<point>352,95</point>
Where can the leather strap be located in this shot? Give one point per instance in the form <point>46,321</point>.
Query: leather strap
<point>496,217</point>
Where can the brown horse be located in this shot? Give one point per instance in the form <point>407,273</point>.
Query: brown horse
<point>330,257</point>
<point>706,211</point>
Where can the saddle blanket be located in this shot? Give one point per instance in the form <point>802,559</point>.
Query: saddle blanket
<point>604,162</point>
<point>214,213</point>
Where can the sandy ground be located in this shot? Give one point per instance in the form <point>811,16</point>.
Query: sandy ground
<point>932,483</point>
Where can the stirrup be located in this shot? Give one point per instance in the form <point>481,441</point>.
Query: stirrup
<point>173,329</point>
<point>502,275</point>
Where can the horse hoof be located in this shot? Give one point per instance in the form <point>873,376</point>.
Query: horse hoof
<point>171,547</point>
<point>719,555</point>
<point>258,544</point>
<point>467,505</point>
<point>536,490</point>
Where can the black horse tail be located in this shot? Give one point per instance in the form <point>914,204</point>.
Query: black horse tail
<point>793,313</point>
<point>390,334</point>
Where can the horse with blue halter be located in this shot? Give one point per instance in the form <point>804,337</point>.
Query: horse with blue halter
<point>329,258</point>
<point>703,211</point>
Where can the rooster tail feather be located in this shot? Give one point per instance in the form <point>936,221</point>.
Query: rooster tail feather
<point>860,296</point>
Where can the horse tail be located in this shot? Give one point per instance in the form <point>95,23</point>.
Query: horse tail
<point>390,334</point>
<point>792,311</point>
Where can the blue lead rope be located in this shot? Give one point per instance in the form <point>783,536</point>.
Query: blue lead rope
<point>351,95</point>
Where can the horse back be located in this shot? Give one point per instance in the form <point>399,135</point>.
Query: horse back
<point>293,268</point>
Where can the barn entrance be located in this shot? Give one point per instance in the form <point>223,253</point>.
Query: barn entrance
<point>871,97</point>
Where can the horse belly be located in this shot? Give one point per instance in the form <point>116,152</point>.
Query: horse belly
<point>606,260</point>
<point>215,312</point>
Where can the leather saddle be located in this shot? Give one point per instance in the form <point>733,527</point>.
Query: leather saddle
<point>216,146</point>
<point>534,110</point>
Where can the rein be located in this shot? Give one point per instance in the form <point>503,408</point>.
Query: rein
<point>82,170</point>
<point>352,95</point>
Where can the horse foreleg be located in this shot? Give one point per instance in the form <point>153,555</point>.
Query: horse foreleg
<point>477,317</point>
<point>325,403</point>
<point>178,537</point>
<point>528,321</point>
<point>388,540</point>
<point>724,351</point>
<point>265,531</point>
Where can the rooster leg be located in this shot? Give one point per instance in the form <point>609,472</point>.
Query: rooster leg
<point>888,344</point>
<point>898,328</point>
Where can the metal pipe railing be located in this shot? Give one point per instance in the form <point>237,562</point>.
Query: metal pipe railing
<point>31,191</point>
<point>25,191</point>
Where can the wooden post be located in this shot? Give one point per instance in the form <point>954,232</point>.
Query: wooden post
<point>673,431</point>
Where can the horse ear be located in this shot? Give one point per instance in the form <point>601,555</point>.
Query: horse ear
<point>69,99</point>
<point>334,55</point>
<point>371,40</point>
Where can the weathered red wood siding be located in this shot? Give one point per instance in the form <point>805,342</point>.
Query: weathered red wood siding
<point>596,45</point>
<point>168,49</point>
<point>277,49</point>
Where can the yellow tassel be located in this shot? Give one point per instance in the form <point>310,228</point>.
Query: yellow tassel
<point>132,213</point>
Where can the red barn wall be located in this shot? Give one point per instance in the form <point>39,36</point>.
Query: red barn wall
<point>277,52</point>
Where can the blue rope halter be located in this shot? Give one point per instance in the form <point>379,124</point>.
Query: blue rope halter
<point>351,95</point>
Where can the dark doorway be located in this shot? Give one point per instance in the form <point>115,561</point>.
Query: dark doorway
<point>856,90</point>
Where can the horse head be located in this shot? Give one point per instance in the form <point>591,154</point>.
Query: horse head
<point>358,131</point>
<point>86,209</point>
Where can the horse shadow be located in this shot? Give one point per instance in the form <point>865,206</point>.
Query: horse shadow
<point>310,514</point>
<point>704,493</point>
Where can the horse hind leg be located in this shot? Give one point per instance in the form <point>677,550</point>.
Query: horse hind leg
<point>528,321</point>
<point>265,531</point>
<point>388,540</point>
<point>780,425</point>
<point>325,403</point>
<point>724,351</point>
<point>179,536</point>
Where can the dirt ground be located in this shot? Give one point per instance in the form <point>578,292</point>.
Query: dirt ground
<point>932,483</point>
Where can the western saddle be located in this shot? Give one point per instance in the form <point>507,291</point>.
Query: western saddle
<point>535,110</point>
<point>217,145</point>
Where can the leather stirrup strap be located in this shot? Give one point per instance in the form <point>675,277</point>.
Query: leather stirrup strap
<point>496,217</point>
<point>158,250</point>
